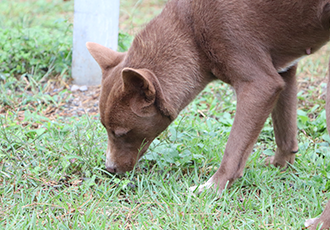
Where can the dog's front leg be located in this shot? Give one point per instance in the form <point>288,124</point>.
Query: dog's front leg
<point>255,100</point>
<point>284,117</point>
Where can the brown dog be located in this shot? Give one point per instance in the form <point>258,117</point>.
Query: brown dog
<point>252,45</point>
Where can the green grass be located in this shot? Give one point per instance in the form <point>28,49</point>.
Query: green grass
<point>35,39</point>
<point>52,173</point>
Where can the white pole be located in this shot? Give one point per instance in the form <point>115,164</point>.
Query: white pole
<point>94,21</point>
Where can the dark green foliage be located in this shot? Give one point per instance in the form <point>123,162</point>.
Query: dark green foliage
<point>36,52</point>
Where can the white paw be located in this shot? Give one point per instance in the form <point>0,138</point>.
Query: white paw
<point>310,222</point>
<point>201,188</point>
<point>192,188</point>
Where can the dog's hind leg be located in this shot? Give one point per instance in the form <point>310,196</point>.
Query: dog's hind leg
<point>284,117</point>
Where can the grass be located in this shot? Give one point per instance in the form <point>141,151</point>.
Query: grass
<point>35,39</point>
<point>52,173</point>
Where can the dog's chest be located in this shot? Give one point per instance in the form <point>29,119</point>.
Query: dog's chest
<point>287,66</point>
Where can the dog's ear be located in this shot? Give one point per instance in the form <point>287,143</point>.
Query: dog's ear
<point>325,16</point>
<point>146,93</point>
<point>104,56</point>
<point>139,84</point>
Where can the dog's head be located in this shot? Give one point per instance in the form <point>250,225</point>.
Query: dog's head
<point>132,108</point>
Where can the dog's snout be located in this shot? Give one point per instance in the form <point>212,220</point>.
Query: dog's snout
<point>109,163</point>
<point>112,169</point>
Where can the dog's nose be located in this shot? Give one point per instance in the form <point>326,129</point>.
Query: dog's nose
<point>111,169</point>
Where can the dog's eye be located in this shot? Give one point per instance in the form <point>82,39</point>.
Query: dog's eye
<point>120,132</point>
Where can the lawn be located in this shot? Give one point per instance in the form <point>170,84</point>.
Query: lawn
<point>52,172</point>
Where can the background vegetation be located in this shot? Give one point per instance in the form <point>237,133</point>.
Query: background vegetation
<point>52,173</point>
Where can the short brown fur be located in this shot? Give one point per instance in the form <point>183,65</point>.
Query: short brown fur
<point>252,45</point>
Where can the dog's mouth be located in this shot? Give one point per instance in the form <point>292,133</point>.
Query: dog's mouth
<point>126,165</point>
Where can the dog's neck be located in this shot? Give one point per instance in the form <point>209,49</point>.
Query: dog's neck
<point>169,41</point>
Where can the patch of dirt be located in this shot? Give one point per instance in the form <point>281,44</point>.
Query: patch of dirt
<point>67,102</point>
<point>77,103</point>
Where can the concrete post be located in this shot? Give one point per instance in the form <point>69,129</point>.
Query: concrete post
<point>94,21</point>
